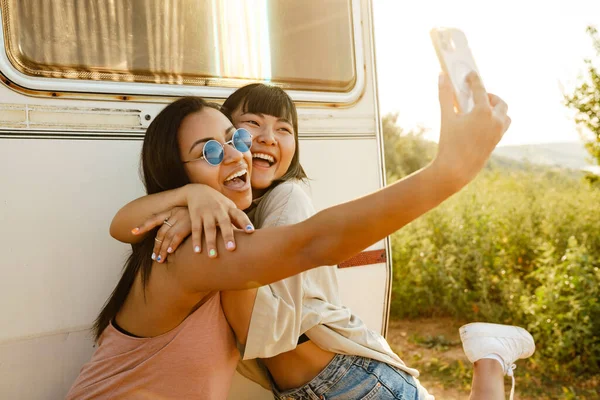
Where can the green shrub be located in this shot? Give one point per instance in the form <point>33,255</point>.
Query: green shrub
<point>501,251</point>
<point>564,310</point>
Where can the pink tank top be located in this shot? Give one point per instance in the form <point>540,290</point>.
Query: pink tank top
<point>196,360</point>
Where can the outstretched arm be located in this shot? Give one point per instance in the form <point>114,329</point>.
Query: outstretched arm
<point>335,234</point>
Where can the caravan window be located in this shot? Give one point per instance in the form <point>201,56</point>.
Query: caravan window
<point>201,43</point>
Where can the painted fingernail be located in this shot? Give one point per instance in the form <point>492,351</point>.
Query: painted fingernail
<point>212,253</point>
<point>197,249</point>
<point>249,228</point>
<point>135,231</point>
<point>153,256</point>
<point>230,245</point>
<point>159,258</point>
<point>170,250</point>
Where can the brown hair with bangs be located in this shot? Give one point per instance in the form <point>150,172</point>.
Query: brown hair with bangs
<point>258,98</point>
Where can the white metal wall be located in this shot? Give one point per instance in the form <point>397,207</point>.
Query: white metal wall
<point>58,263</point>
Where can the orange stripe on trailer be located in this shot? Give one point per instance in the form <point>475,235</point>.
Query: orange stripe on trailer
<point>365,258</point>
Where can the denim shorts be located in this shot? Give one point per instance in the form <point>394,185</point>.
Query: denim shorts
<point>355,378</point>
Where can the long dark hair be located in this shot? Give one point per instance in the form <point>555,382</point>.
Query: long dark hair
<point>161,169</point>
<point>258,98</point>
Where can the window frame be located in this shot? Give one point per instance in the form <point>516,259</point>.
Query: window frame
<point>82,89</point>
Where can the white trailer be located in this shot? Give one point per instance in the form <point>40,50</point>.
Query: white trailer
<point>80,80</point>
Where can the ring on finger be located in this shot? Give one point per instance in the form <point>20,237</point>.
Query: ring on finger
<point>166,221</point>
<point>158,240</point>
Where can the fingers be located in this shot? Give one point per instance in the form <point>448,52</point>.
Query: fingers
<point>225,222</point>
<point>500,111</point>
<point>241,220</point>
<point>173,231</point>
<point>197,227</point>
<point>480,97</point>
<point>156,249</point>
<point>208,210</point>
<point>446,96</point>
<point>210,234</point>
<point>173,237</point>
<point>163,241</point>
<point>500,107</point>
<point>227,232</point>
<point>159,242</point>
<point>151,223</point>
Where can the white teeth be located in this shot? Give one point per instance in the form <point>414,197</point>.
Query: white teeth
<point>264,157</point>
<point>241,172</point>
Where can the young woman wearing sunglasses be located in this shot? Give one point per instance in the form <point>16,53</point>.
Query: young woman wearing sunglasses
<point>347,334</point>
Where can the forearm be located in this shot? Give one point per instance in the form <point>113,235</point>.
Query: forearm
<point>333,235</point>
<point>342,231</point>
<point>139,210</point>
<point>327,238</point>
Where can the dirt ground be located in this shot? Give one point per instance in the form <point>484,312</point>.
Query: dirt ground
<point>401,336</point>
<point>433,346</point>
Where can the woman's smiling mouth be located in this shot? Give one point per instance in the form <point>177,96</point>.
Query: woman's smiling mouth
<point>263,160</point>
<point>238,180</point>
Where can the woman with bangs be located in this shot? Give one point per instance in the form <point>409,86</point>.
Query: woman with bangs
<point>321,349</point>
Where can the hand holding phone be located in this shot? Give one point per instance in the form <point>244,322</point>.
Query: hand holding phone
<point>457,62</point>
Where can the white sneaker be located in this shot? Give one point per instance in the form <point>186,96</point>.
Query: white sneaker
<point>509,342</point>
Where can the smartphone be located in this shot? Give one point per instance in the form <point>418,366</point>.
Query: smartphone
<point>457,62</point>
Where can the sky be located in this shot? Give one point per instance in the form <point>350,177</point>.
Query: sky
<point>527,51</point>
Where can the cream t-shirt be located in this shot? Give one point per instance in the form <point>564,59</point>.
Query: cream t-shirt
<point>305,303</point>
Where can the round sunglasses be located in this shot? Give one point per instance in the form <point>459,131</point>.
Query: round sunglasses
<point>213,151</point>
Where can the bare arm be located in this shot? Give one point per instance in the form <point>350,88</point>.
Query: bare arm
<point>337,233</point>
<point>330,237</point>
<point>192,209</point>
<point>143,209</point>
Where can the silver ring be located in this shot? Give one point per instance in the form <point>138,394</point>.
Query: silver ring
<point>157,240</point>
<point>166,221</point>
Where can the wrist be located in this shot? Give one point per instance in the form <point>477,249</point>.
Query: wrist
<point>182,195</point>
<point>191,192</point>
<point>447,180</point>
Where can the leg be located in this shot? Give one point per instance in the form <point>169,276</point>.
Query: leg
<point>493,349</point>
<point>488,380</point>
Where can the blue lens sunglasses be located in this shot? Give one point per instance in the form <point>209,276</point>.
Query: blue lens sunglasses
<point>213,151</point>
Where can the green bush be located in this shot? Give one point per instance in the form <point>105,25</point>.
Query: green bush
<point>564,310</point>
<point>516,246</point>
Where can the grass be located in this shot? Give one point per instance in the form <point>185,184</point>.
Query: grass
<point>432,346</point>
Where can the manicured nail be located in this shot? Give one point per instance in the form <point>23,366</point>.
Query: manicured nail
<point>153,256</point>
<point>197,249</point>
<point>442,79</point>
<point>159,258</point>
<point>230,245</point>
<point>170,250</point>
<point>212,253</point>
<point>135,231</point>
<point>249,228</point>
